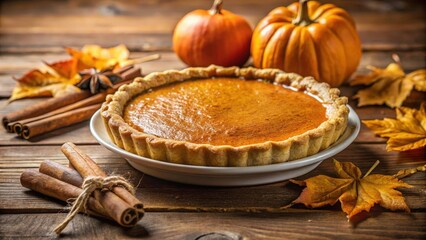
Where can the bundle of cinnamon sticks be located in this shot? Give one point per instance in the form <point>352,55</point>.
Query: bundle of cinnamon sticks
<point>62,111</point>
<point>64,183</point>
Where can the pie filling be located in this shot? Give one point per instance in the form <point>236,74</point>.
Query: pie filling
<point>224,111</point>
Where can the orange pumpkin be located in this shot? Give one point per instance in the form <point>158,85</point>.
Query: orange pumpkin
<point>310,39</point>
<point>215,36</point>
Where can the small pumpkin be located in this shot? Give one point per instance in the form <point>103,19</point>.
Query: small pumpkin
<point>310,39</point>
<point>215,36</point>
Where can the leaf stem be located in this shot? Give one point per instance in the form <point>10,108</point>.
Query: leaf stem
<point>396,58</point>
<point>143,59</point>
<point>372,168</point>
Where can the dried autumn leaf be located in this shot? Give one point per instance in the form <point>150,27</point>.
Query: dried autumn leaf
<point>390,86</point>
<point>67,68</point>
<point>94,56</point>
<point>58,79</point>
<point>355,193</point>
<point>406,132</point>
<point>37,77</point>
<point>57,89</point>
<point>61,76</point>
<point>418,78</point>
<point>408,172</point>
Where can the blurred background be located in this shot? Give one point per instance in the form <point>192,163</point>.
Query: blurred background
<point>147,25</point>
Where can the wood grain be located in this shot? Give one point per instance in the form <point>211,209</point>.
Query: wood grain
<point>291,224</point>
<point>28,25</point>
<point>32,31</point>
<point>160,195</point>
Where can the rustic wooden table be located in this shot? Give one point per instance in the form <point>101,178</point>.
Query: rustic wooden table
<point>31,31</point>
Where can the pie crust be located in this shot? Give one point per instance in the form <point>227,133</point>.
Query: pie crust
<point>182,152</point>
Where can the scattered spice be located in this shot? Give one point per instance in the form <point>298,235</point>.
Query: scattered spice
<point>97,80</point>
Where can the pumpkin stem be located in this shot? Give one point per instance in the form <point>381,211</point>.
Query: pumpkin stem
<point>217,7</point>
<point>302,18</point>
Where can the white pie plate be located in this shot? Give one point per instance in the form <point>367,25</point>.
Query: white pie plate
<point>226,176</point>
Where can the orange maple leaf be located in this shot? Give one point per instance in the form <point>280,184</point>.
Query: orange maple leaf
<point>37,77</point>
<point>390,86</point>
<point>67,68</point>
<point>406,132</point>
<point>355,193</point>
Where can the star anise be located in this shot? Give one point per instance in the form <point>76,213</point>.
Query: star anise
<point>97,80</point>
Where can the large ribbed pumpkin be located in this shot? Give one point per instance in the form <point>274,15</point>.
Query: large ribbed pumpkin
<point>310,39</point>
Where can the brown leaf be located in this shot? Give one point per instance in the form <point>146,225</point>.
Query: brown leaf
<point>406,132</point>
<point>355,193</point>
<point>388,86</point>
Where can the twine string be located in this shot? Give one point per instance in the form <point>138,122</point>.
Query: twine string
<point>91,184</point>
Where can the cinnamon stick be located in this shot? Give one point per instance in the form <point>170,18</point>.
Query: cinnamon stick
<point>123,69</point>
<point>119,209</point>
<point>71,166</point>
<point>43,107</point>
<point>55,188</point>
<point>36,128</point>
<point>97,98</point>
<point>46,107</point>
<point>87,167</point>
<point>61,172</point>
<point>131,74</point>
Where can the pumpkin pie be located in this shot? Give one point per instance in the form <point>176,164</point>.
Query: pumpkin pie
<point>218,116</point>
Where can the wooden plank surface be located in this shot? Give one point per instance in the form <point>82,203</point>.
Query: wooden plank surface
<point>307,224</point>
<point>289,224</point>
<point>383,25</point>
<point>157,194</point>
<point>32,31</point>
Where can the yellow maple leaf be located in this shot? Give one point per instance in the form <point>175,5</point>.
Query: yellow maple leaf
<point>406,132</point>
<point>56,89</point>
<point>390,86</point>
<point>101,58</point>
<point>355,193</point>
<point>418,77</point>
